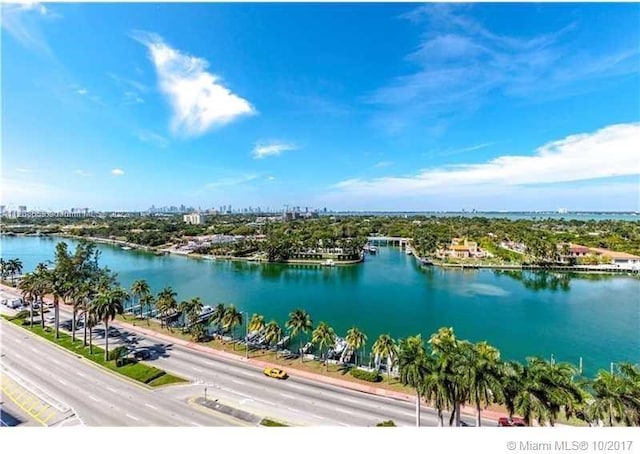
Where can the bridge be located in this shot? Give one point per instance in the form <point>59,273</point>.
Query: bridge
<point>386,240</point>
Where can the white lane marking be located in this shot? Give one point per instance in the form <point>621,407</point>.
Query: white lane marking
<point>151,406</point>
<point>111,389</point>
<point>237,382</point>
<point>34,350</point>
<point>56,361</point>
<point>81,374</point>
<point>132,417</point>
<point>246,373</point>
<point>18,355</point>
<point>287,396</point>
<point>196,424</point>
<point>197,370</point>
<point>63,382</point>
<point>268,402</point>
<point>37,367</point>
<point>94,398</point>
<point>342,410</point>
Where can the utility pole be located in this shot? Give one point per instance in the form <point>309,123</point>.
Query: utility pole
<point>246,336</point>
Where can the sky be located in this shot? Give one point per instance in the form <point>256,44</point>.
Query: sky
<point>416,107</point>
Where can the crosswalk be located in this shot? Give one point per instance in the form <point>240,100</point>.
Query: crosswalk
<point>40,411</point>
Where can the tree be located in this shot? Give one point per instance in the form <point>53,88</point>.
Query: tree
<point>616,396</point>
<point>436,386</point>
<point>272,332</point>
<point>257,323</point>
<point>323,336</point>
<point>232,318</point>
<point>28,290</point>
<point>484,373</point>
<point>147,301</point>
<point>385,347</point>
<point>412,364</point>
<point>217,316</point>
<point>356,340</point>
<point>108,304</point>
<point>139,289</point>
<point>299,322</point>
<point>15,267</point>
<point>166,304</point>
<point>197,331</point>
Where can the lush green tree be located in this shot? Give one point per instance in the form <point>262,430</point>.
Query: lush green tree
<point>483,374</point>
<point>356,340</point>
<point>166,304</point>
<point>232,318</point>
<point>272,332</point>
<point>299,323</point>
<point>324,337</point>
<point>257,322</point>
<point>108,304</point>
<point>412,365</point>
<point>139,289</point>
<point>386,347</point>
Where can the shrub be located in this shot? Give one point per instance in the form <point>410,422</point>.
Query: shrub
<point>20,315</point>
<point>118,352</point>
<point>365,375</point>
<point>388,423</point>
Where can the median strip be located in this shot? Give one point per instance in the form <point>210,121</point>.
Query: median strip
<point>134,370</point>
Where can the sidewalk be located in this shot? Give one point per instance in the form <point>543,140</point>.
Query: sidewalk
<point>369,389</point>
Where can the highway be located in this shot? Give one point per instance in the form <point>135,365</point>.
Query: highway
<point>295,401</point>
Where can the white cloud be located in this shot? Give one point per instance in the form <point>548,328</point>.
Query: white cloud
<point>272,148</point>
<point>24,170</point>
<point>117,172</point>
<point>609,152</point>
<point>199,100</point>
<point>271,178</point>
<point>21,21</point>
<point>383,164</point>
<point>82,91</point>
<point>82,173</point>
<point>152,138</point>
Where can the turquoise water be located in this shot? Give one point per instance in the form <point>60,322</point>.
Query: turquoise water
<point>523,314</point>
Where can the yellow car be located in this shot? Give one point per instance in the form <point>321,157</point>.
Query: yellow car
<point>275,373</point>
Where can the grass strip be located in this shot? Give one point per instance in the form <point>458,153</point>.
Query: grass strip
<point>271,423</point>
<point>139,372</point>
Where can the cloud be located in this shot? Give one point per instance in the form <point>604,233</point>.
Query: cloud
<point>459,63</point>
<point>272,148</point>
<point>199,100</point>
<point>152,138</point>
<point>383,164</point>
<point>83,173</point>
<point>21,191</point>
<point>23,170</point>
<point>22,22</point>
<point>117,172</point>
<point>132,89</point>
<point>231,181</point>
<point>82,91</point>
<point>608,152</point>
<point>271,178</point>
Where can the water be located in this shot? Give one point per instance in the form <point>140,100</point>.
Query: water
<point>522,313</point>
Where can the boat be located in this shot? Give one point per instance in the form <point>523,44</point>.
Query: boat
<point>307,348</point>
<point>373,250</point>
<point>329,262</point>
<point>283,342</point>
<point>126,248</point>
<point>408,251</point>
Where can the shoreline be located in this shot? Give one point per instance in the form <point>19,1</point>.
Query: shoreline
<point>159,251</point>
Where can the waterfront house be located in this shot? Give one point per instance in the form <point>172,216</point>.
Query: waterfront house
<point>462,248</point>
<point>619,259</point>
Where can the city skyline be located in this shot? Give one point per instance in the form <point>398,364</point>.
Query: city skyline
<point>437,107</point>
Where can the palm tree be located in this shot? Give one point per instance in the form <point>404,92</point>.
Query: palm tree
<point>166,304</point>
<point>15,267</point>
<point>616,396</point>
<point>3,269</point>
<point>323,336</point>
<point>197,331</point>
<point>232,318</point>
<point>41,288</point>
<point>28,291</point>
<point>436,386</point>
<point>272,332</point>
<point>109,303</point>
<point>147,301</point>
<point>386,347</point>
<point>299,322</point>
<point>90,321</point>
<point>356,340</point>
<point>139,289</point>
<point>257,323</point>
<point>483,377</point>
<point>79,294</point>
<point>218,315</point>
<point>412,364</point>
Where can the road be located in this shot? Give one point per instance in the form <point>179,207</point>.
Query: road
<point>96,396</point>
<point>296,401</point>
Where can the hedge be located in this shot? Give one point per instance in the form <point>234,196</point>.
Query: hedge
<point>365,375</point>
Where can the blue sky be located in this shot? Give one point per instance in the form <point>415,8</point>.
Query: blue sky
<point>344,106</point>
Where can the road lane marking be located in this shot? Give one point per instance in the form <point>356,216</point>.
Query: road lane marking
<point>265,401</point>
<point>63,382</point>
<point>196,424</point>
<point>94,398</point>
<point>132,417</point>
<point>151,406</point>
<point>287,396</point>
<point>197,370</point>
<point>111,389</point>
<point>81,374</point>
<point>237,382</point>
<point>342,410</point>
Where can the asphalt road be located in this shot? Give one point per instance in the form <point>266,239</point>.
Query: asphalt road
<point>296,400</point>
<point>97,397</point>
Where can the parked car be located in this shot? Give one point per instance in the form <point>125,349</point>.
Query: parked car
<point>113,332</point>
<point>274,372</point>
<point>142,355</point>
<point>511,422</point>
